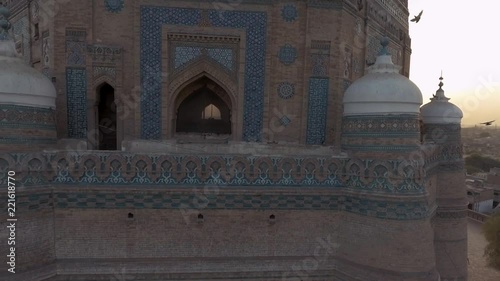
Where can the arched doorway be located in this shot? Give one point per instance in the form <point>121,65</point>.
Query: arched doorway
<point>106,117</point>
<point>205,109</point>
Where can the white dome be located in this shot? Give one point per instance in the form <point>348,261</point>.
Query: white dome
<point>382,91</point>
<point>440,110</point>
<point>20,84</point>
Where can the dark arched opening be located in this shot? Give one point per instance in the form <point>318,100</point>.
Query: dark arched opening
<point>203,111</point>
<point>106,118</point>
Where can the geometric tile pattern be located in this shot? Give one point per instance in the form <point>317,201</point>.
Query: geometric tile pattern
<point>35,202</point>
<point>285,120</point>
<point>320,56</point>
<point>325,4</point>
<point>76,90</point>
<point>400,126</point>
<point>317,110</point>
<point>104,54</point>
<point>222,56</point>
<point>76,53</point>
<point>185,171</point>
<point>184,55</point>
<point>392,210</point>
<point>13,116</point>
<point>320,64</point>
<point>287,54</point>
<point>21,33</point>
<point>104,71</point>
<point>152,20</point>
<point>255,25</point>
<point>114,6</point>
<point>286,90</point>
<point>289,12</point>
<point>76,47</point>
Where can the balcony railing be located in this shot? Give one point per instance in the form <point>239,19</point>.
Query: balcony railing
<point>477,216</point>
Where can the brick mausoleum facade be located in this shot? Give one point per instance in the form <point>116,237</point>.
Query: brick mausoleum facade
<point>225,140</point>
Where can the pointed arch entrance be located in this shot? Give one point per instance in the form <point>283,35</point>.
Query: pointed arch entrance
<point>106,117</point>
<point>203,108</point>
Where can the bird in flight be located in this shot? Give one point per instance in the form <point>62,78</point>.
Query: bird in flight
<point>417,18</point>
<point>488,123</point>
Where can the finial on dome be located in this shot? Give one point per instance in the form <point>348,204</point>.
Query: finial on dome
<point>385,43</point>
<point>4,22</point>
<point>440,92</point>
<point>441,81</point>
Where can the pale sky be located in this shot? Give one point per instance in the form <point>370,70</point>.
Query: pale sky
<point>461,38</point>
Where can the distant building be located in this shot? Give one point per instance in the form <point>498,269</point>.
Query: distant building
<point>493,182</point>
<point>480,197</point>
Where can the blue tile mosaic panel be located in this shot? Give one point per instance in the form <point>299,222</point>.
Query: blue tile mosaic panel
<point>76,47</point>
<point>222,56</point>
<point>76,53</point>
<point>287,54</point>
<point>152,20</point>
<point>286,90</point>
<point>317,110</point>
<point>320,64</point>
<point>320,57</point>
<point>289,12</point>
<point>184,55</point>
<point>285,121</point>
<point>76,90</point>
<point>114,6</point>
<point>13,117</point>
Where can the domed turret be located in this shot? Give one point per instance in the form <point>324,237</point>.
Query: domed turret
<point>381,110</point>
<point>27,98</point>
<point>383,90</point>
<point>440,110</point>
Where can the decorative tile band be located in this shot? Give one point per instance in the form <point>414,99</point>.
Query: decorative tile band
<point>104,54</point>
<point>403,125</point>
<point>320,64</point>
<point>27,141</point>
<point>317,110</point>
<point>33,202</point>
<point>255,25</point>
<point>325,4</point>
<point>408,210</point>
<point>13,116</point>
<point>401,148</point>
<point>371,176</point>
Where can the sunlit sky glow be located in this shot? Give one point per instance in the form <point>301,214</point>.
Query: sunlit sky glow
<point>461,38</point>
